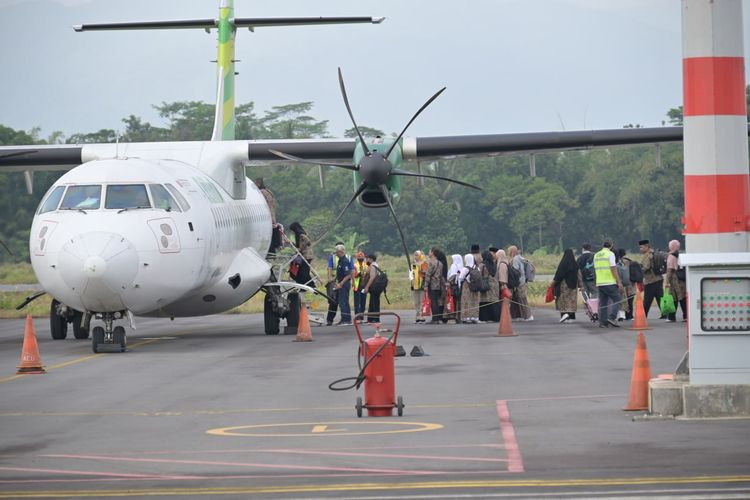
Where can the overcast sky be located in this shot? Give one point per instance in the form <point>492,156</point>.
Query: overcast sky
<point>509,65</point>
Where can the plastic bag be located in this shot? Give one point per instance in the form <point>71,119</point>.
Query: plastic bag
<point>550,295</point>
<point>667,306</point>
<point>426,305</point>
<point>450,302</point>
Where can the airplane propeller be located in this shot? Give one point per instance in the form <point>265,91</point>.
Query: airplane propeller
<point>374,168</point>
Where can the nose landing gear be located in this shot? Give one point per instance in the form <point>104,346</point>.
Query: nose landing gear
<point>109,337</point>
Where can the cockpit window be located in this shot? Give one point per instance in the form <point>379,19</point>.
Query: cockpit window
<point>52,200</point>
<point>162,198</point>
<point>82,198</point>
<point>121,196</point>
<point>180,199</point>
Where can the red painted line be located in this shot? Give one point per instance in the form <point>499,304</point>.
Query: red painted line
<point>236,464</point>
<point>717,203</point>
<point>90,473</point>
<point>714,86</point>
<point>509,438</point>
<point>386,455</point>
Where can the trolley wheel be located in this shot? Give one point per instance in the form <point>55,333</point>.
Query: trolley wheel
<point>400,406</point>
<point>358,406</point>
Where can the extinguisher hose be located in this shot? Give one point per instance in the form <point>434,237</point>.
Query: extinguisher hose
<point>361,375</point>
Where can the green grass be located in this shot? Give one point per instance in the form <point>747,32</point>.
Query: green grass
<point>16,274</point>
<point>9,301</point>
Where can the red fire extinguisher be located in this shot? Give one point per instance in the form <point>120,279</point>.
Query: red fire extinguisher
<point>376,361</point>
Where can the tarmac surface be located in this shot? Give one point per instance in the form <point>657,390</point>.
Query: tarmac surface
<point>209,407</point>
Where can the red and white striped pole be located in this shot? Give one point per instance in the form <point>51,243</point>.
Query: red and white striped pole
<point>717,179</point>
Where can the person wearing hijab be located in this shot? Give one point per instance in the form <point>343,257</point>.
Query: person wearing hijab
<point>416,277</point>
<point>623,267</point>
<point>489,307</point>
<point>304,247</point>
<point>453,272</point>
<point>675,280</point>
<point>565,282</point>
<point>441,304</point>
<point>469,299</point>
<point>502,263</point>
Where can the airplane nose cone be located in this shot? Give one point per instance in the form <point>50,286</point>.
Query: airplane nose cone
<point>99,266</point>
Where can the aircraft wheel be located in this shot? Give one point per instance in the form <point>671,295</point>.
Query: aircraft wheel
<point>79,331</point>
<point>97,338</point>
<point>57,324</point>
<point>270,320</point>
<point>118,336</point>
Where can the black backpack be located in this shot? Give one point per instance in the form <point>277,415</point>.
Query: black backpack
<point>636,272</point>
<point>380,283</point>
<point>478,283</point>
<point>514,277</point>
<point>586,265</point>
<point>659,266</point>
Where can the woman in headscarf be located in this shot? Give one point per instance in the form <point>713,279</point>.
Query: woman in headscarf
<point>304,247</point>
<point>416,276</point>
<point>623,268</point>
<point>469,299</point>
<point>489,307</point>
<point>565,283</point>
<point>444,261</point>
<point>675,280</point>
<point>455,269</point>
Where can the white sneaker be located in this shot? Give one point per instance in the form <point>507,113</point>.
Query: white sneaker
<point>530,318</point>
<point>564,318</point>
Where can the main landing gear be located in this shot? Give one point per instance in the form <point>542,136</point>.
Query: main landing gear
<point>109,336</point>
<point>61,315</point>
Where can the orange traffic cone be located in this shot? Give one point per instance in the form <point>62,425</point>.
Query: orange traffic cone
<point>639,323</point>
<point>640,377</point>
<point>31,362</point>
<point>304,332</point>
<point>506,325</point>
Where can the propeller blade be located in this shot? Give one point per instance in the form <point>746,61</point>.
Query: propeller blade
<point>297,159</point>
<point>387,196</point>
<point>351,115</point>
<point>359,191</point>
<point>429,101</point>
<point>17,153</point>
<point>396,171</point>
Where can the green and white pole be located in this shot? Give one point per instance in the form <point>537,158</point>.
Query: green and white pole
<point>224,119</point>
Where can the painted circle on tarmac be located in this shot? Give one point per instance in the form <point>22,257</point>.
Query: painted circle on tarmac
<point>328,429</point>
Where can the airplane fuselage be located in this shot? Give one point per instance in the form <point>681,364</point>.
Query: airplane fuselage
<point>154,237</point>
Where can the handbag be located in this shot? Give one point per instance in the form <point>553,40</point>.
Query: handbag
<point>666,305</point>
<point>450,302</point>
<point>426,305</point>
<point>550,295</point>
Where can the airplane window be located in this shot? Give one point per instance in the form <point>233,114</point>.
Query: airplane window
<point>82,198</point>
<point>127,196</point>
<point>162,198</point>
<point>52,200</point>
<point>180,199</point>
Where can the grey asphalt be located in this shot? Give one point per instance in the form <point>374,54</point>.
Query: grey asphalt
<point>534,415</point>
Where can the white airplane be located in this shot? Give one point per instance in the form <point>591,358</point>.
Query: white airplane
<point>175,229</point>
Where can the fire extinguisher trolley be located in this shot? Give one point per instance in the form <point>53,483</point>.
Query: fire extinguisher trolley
<point>377,357</point>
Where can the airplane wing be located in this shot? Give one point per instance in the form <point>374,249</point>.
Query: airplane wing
<point>65,157</point>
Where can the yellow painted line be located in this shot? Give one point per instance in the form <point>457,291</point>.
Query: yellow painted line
<point>421,485</point>
<point>240,431</point>
<point>74,361</point>
<point>324,428</point>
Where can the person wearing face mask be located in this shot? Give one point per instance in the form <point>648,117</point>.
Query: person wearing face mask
<point>359,280</point>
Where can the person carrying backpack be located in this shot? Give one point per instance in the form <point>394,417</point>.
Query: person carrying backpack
<point>676,280</point>
<point>469,297</point>
<point>652,282</point>
<point>519,308</point>
<point>373,312</point>
<point>586,265</point>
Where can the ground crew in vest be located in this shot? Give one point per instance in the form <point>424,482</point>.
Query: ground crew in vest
<point>359,280</point>
<point>608,285</point>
